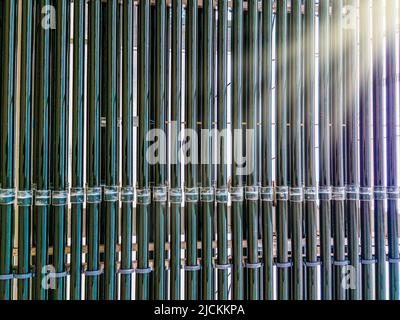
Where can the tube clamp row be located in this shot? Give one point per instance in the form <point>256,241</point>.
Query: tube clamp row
<point>94,195</point>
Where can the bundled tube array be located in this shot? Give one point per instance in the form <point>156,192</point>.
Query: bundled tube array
<point>193,150</point>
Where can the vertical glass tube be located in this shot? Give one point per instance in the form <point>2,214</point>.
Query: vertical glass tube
<point>379,156</point>
<point>325,189</point>
<point>283,264</point>
<point>41,138</point>
<point>237,192</point>
<point>143,191</point>
<point>296,180</point>
<point>24,195</point>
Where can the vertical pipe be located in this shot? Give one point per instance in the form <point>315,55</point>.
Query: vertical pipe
<point>118,156</point>
<point>221,191</point>
<point>152,125</point>
<point>237,192</point>
<point>7,183</point>
<point>267,185</point>
<point>93,198</point>
<point>160,192</point>
<point>143,192</point>
<point>77,191</point>
<point>252,192</point>
<point>110,188</point>
<point>296,181</point>
<point>244,123</point>
<point>175,196</point>
<point>127,194</point>
<point>352,176</point>
<point>52,134</point>
<point>283,263</point>
<point>325,189</point>
<point>310,179</point>
<point>214,143</point>
<point>207,192</point>
<point>24,197</point>
<point>391,147</point>
<point>168,115</point>
<point>59,156</point>
<point>41,118</point>
<point>365,67</point>
<point>379,178</point>
<point>103,108</point>
<point>200,99</point>
<point>337,168</point>
<point>191,191</point>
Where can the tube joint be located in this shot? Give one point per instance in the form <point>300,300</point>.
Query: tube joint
<point>192,195</point>
<point>42,198</point>
<point>207,194</point>
<point>160,194</point>
<point>24,198</point>
<point>296,195</point>
<point>267,194</point>
<point>175,195</point>
<point>143,196</point>
<point>282,193</point>
<point>111,194</point>
<point>252,193</point>
<point>7,197</point>
<point>237,194</point>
